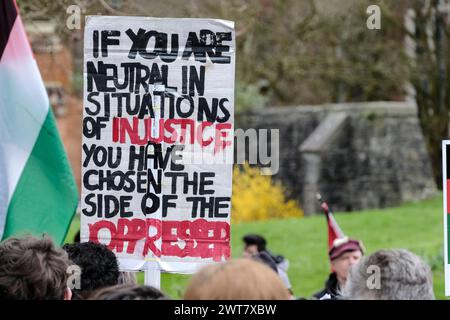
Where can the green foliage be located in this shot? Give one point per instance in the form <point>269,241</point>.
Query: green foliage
<point>248,98</point>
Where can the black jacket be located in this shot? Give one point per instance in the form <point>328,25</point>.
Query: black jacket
<point>331,290</point>
<point>267,259</point>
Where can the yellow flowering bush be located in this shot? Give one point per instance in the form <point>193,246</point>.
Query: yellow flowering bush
<point>258,197</point>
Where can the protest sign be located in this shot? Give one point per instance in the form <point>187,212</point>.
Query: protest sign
<point>157,147</point>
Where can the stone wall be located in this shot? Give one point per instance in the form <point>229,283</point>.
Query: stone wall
<point>358,155</point>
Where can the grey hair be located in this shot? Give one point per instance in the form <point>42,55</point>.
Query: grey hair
<point>127,278</point>
<point>402,276</point>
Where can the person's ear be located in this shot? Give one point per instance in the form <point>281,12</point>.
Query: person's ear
<point>68,294</point>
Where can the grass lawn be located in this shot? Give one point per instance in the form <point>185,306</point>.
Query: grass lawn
<point>414,226</point>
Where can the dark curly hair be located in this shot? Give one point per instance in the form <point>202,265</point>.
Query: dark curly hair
<point>32,268</point>
<point>98,264</point>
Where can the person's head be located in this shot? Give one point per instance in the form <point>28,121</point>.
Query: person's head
<point>253,244</point>
<point>128,292</point>
<point>343,255</point>
<point>98,264</point>
<point>240,279</point>
<point>33,268</point>
<point>390,275</point>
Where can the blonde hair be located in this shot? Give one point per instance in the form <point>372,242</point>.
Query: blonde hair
<point>240,279</point>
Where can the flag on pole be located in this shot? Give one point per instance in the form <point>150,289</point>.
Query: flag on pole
<point>37,188</point>
<point>338,243</point>
<point>446,207</point>
<point>334,231</point>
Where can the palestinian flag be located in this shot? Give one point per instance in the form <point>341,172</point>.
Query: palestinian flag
<point>446,188</point>
<point>446,205</point>
<point>334,231</point>
<point>37,188</point>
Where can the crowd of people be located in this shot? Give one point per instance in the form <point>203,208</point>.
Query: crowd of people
<point>36,268</point>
